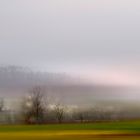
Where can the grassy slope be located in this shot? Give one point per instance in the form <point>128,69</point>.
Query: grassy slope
<point>71,131</point>
<point>123,126</point>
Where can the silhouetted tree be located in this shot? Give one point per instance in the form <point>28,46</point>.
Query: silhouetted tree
<point>59,112</point>
<point>1,104</point>
<point>35,108</point>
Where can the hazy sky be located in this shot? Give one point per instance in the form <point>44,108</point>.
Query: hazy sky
<point>99,39</point>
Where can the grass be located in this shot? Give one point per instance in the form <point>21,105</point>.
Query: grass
<point>98,131</point>
<point>124,126</point>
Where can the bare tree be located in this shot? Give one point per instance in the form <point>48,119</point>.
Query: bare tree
<point>34,106</point>
<point>59,112</point>
<point>1,104</point>
<point>80,116</point>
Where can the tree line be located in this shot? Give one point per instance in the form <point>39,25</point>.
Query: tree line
<point>35,109</point>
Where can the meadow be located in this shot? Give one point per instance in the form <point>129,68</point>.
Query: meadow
<point>129,130</point>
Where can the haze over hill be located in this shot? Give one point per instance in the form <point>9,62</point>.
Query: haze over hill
<point>15,82</point>
<point>91,40</point>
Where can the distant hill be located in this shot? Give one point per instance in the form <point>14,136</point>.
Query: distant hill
<point>16,81</point>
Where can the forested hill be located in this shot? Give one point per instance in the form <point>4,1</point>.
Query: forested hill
<point>16,81</point>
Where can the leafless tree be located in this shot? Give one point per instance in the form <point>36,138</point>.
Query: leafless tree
<point>59,112</point>
<point>1,104</point>
<point>81,116</point>
<point>34,106</point>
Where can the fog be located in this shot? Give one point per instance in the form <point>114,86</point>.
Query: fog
<point>94,41</point>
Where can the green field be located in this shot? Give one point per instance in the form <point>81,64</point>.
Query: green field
<point>94,131</point>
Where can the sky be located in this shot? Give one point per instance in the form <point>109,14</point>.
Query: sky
<point>94,39</point>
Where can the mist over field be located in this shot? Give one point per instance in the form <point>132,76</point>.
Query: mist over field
<point>16,82</point>
<point>83,54</point>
